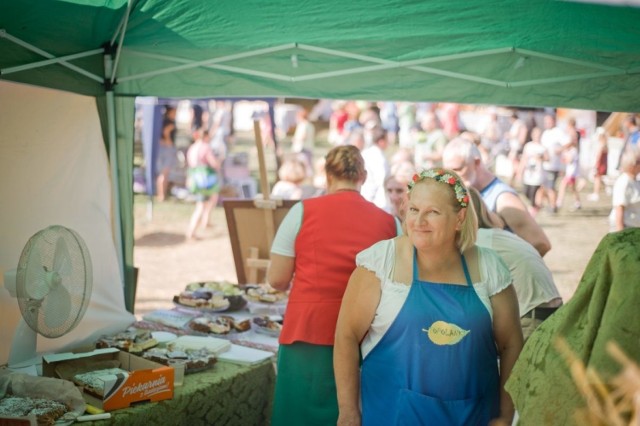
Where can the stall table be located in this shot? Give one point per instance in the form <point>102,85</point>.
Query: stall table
<point>227,394</point>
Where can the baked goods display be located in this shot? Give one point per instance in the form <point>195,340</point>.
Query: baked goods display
<point>195,359</point>
<point>267,325</point>
<point>131,340</point>
<point>229,291</point>
<point>264,293</point>
<point>203,299</point>
<point>92,382</point>
<point>221,324</point>
<point>47,411</point>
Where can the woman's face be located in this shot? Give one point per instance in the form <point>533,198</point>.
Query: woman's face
<point>397,194</point>
<point>431,220</point>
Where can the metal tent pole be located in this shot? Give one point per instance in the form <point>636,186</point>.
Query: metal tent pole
<point>113,160</point>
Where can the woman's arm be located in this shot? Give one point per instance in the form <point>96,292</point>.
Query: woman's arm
<point>358,308</point>
<point>508,335</point>
<point>280,271</point>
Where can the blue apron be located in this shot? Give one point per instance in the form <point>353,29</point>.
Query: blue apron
<point>437,364</point>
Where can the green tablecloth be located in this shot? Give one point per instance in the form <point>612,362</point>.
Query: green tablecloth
<point>605,307</point>
<point>227,394</point>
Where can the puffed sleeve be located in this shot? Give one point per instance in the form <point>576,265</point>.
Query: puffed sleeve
<point>379,259</point>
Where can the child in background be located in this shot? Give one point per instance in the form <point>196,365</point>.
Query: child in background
<point>292,174</point>
<point>570,157</point>
<point>600,164</point>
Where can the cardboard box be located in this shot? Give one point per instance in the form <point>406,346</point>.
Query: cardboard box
<point>18,421</point>
<point>145,381</point>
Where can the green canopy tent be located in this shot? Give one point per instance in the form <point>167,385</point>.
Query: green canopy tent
<point>535,53</point>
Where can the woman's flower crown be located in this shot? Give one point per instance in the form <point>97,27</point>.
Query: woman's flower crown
<point>441,175</point>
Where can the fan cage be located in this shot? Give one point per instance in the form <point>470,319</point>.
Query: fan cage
<point>38,312</point>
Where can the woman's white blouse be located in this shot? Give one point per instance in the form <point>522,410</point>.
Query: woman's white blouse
<point>380,259</point>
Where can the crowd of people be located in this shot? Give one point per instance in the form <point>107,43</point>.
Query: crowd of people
<point>539,160</point>
<point>540,163</point>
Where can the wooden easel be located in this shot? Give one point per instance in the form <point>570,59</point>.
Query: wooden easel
<point>253,224</point>
<point>253,262</point>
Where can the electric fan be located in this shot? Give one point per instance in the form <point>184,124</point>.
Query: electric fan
<point>53,287</point>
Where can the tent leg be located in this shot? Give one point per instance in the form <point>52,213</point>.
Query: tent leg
<point>113,160</point>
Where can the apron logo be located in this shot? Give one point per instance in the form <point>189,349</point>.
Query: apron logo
<point>444,333</point>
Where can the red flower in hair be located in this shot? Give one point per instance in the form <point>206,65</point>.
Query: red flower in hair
<point>466,199</point>
<point>416,177</point>
<point>451,181</point>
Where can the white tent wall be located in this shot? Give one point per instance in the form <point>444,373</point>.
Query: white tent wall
<point>54,171</point>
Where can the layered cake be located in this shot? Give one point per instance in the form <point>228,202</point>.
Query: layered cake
<point>92,382</point>
<point>203,298</point>
<point>265,293</point>
<point>221,324</point>
<point>131,340</point>
<point>196,359</point>
<point>267,324</point>
<point>230,291</point>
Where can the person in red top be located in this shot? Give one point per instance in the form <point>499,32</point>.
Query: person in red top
<point>313,254</point>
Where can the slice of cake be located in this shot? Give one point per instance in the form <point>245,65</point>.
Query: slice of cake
<point>92,382</point>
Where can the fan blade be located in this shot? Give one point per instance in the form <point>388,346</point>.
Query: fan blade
<point>57,307</point>
<point>61,258</point>
<point>35,281</point>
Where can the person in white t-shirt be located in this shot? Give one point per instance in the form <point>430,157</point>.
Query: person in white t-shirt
<point>530,170</point>
<point>538,296</point>
<point>554,140</point>
<point>626,193</point>
<point>377,165</point>
<point>303,140</point>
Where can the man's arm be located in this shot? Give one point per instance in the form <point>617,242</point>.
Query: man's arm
<point>513,211</point>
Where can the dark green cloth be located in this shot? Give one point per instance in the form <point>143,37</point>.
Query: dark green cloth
<point>604,308</point>
<point>227,395</point>
<point>305,388</point>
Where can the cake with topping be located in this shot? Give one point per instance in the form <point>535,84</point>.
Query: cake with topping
<point>265,293</point>
<point>196,359</point>
<point>202,299</point>
<point>47,411</point>
<point>92,382</point>
<point>131,340</point>
<point>221,324</point>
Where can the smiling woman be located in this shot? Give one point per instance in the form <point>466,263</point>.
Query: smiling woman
<point>449,300</point>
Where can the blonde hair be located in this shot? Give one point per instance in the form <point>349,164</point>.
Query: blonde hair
<point>482,213</point>
<point>469,232</point>
<point>344,162</point>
